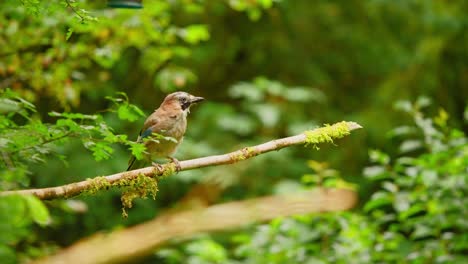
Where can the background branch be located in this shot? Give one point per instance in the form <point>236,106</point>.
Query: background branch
<point>72,7</point>
<point>315,136</point>
<point>141,240</point>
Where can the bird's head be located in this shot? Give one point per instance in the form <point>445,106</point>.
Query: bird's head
<point>182,99</point>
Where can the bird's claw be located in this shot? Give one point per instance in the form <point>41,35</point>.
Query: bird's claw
<point>158,166</point>
<point>176,163</point>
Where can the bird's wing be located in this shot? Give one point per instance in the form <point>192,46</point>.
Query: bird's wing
<point>143,133</point>
<point>149,127</point>
<point>147,132</point>
<point>158,122</point>
<point>152,125</point>
<point>131,162</point>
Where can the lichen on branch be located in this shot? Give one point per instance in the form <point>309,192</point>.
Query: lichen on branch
<point>132,188</point>
<point>327,133</point>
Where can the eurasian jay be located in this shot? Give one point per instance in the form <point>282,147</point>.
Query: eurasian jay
<point>164,129</point>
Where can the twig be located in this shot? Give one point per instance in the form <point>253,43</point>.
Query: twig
<point>316,136</point>
<point>47,141</point>
<point>75,11</point>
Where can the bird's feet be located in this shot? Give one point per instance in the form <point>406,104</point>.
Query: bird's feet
<point>176,163</point>
<point>158,166</point>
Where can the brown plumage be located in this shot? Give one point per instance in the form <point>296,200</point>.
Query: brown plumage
<point>169,121</point>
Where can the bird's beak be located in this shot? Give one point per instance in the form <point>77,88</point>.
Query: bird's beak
<point>196,99</point>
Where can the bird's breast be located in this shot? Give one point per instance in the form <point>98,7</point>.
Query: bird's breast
<point>177,130</point>
<point>162,147</point>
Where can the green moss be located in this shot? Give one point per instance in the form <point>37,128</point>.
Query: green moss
<point>326,134</point>
<point>237,156</point>
<point>249,152</point>
<point>169,169</point>
<point>243,154</point>
<point>97,184</point>
<point>127,198</point>
<point>140,187</point>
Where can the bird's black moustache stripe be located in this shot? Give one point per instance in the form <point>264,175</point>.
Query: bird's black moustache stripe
<point>185,105</point>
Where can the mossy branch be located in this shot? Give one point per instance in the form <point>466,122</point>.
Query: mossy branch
<point>311,137</point>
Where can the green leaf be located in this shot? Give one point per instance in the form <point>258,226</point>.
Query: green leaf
<point>8,106</point>
<point>135,109</point>
<point>461,242</point>
<point>402,131</point>
<point>379,199</point>
<point>304,94</point>
<point>13,222</point>
<point>69,33</point>
<point>208,251</point>
<point>195,34</point>
<point>423,101</point>
<point>101,150</point>
<point>137,150</point>
<point>422,231</point>
<point>265,3</point>
<point>129,112</point>
<point>69,124</point>
<point>378,156</point>
<point>174,78</point>
<point>410,145</point>
<point>37,210</point>
<point>7,255</point>
<point>465,114</point>
<point>413,209</point>
<point>404,106</point>
<point>375,172</point>
<point>74,115</point>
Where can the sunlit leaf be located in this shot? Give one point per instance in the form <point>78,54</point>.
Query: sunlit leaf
<point>378,200</point>
<point>37,210</point>
<point>194,34</point>
<point>410,145</point>
<point>137,150</point>
<point>129,112</point>
<point>69,33</point>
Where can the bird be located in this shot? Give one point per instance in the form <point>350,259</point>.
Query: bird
<point>164,129</point>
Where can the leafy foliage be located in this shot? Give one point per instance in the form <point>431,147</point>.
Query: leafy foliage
<point>18,215</point>
<point>422,197</point>
<point>26,140</point>
<point>75,43</point>
<point>268,69</point>
<point>413,216</point>
<point>29,140</point>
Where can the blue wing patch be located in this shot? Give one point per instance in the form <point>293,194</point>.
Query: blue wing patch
<point>146,133</point>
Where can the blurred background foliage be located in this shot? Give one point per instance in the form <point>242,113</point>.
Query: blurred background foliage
<point>268,69</point>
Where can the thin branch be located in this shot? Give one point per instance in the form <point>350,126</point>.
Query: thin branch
<point>313,137</point>
<point>122,246</point>
<point>69,4</point>
<point>47,141</point>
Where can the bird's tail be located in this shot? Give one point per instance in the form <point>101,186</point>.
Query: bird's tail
<point>134,163</point>
<point>131,162</point>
